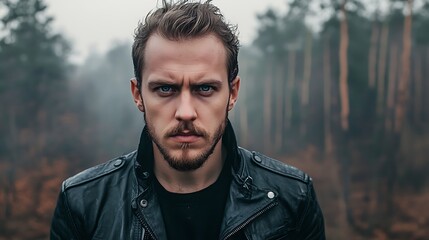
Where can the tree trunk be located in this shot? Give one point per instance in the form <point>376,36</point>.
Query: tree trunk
<point>425,97</point>
<point>279,88</point>
<point>425,115</point>
<point>343,140</point>
<point>393,72</point>
<point>328,145</point>
<point>267,105</point>
<point>389,166</point>
<point>290,85</point>
<point>372,56</point>
<point>244,122</point>
<point>418,86</point>
<point>400,110</point>
<point>306,82</point>
<point>382,68</point>
<point>307,69</point>
<point>344,45</point>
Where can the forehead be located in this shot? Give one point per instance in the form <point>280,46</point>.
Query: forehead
<point>207,50</point>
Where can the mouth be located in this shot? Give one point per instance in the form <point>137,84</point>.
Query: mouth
<point>186,137</point>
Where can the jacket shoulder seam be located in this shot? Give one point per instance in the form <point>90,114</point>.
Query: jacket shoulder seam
<point>279,167</point>
<point>96,172</point>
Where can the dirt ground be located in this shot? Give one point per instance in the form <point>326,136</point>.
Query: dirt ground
<point>410,217</point>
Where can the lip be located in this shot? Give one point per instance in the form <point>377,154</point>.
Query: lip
<point>186,138</point>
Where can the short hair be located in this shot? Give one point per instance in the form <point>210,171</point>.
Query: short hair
<point>185,20</point>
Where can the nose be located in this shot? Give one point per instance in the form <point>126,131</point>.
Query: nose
<point>186,109</point>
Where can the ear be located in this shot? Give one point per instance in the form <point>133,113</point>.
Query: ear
<point>233,94</point>
<point>135,92</point>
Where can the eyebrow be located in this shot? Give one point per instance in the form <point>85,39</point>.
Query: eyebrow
<point>207,82</point>
<point>160,82</point>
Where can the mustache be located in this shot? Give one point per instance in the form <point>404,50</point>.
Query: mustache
<point>186,128</point>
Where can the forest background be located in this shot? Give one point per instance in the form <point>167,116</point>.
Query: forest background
<point>348,104</point>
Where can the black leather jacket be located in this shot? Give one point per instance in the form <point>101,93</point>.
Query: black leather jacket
<point>116,200</point>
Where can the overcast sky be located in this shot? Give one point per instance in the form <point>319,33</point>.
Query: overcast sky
<point>94,25</point>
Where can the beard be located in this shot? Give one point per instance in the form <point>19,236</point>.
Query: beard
<point>185,162</point>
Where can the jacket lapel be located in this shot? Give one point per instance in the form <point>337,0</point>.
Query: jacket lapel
<point>245,203</point>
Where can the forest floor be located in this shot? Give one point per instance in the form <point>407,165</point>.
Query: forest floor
<point>410,219</point>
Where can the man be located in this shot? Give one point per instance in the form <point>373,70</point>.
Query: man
<point>188,179</point>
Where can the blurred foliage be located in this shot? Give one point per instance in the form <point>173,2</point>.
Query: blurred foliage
<point>29,50</point>
<point>33,71</point>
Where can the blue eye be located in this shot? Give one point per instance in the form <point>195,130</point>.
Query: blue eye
<point>205,88</point>
<point>165,89</point>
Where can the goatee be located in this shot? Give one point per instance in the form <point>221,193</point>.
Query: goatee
<point>185,162</point>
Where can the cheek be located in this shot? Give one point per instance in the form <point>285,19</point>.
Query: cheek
<point>153,105</point>
<point>159,114</point>
<point>215,109</point>
<point>155,113</point>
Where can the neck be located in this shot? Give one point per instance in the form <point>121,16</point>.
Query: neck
<point>189,181</point>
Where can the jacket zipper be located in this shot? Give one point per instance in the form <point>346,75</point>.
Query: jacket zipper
<point>241,226</point>
<point>140,217</point>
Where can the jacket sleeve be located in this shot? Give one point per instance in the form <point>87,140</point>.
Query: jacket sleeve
<point>312,224</point>
<point>63,226</point>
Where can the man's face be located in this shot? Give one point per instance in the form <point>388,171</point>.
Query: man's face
<point>185,98</point>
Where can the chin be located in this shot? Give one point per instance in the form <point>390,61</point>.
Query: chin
<point>187,155</point>
<point>187,160</point>
<point>186,164</point>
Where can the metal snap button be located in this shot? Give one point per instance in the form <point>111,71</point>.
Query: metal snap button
<point>270,195</point>
<point>258,159</point>
<point>143,203</point>
<point>118,163</point>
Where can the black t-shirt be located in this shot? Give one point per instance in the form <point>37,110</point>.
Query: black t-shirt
<point>197,215</point>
